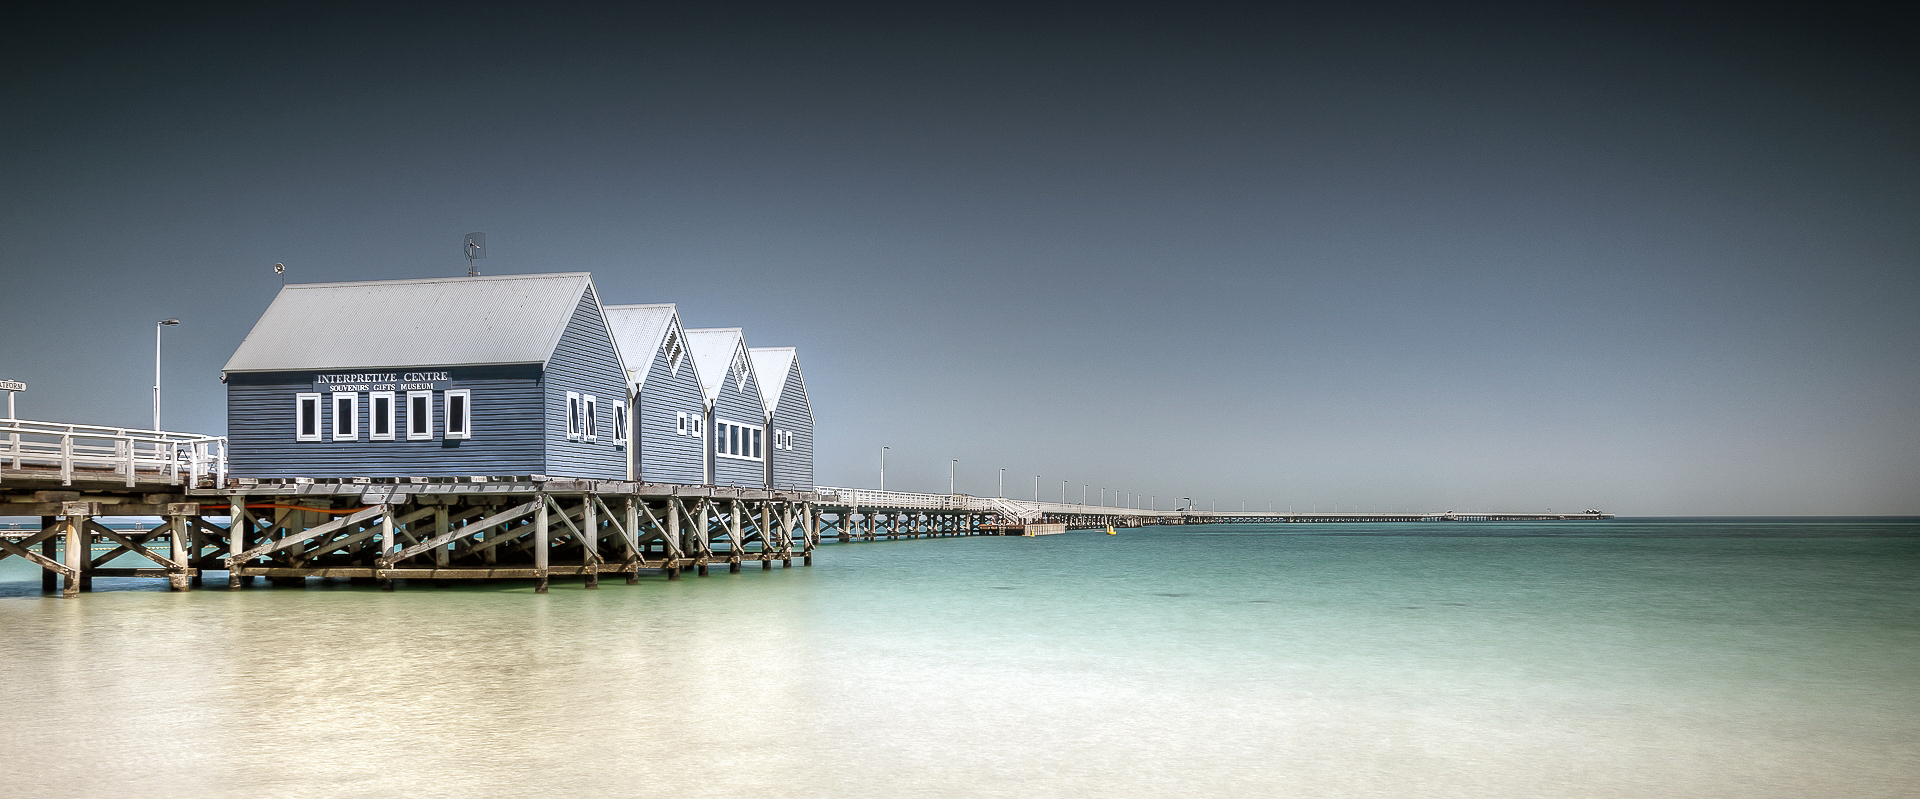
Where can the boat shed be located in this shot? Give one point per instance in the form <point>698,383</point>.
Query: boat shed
<point>736,414</point>
<point>789,417</point>
<point>509,375</point>
<point>669,409</point>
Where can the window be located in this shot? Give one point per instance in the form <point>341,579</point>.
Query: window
<point>459,413</point>
<point>590,407</point>
<point>380,416</point>
<point>737,440</point>
<point>680,424</point>
<point>346,416</point>
<point>573,416</point>
<point>619,422</point>
<point>419,415</point>
<point>306,417</point>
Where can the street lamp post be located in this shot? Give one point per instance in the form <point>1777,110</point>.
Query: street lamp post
<point>950,467</point>
<point>1002,493</point>
<point>156,367</point>
<point>1036,488</point>
<point>883,468</point>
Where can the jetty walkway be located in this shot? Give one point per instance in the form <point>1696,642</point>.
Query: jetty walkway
<point>380,530</point>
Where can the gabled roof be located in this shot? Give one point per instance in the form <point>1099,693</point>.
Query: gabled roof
<point>714,351</point>
<point>770,368</point>
<point>449,321</point>
<point>640,331</point>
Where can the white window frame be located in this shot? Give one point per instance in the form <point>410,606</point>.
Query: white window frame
<point>723,431</point>
<point>619,422</point>
<point>573,416</point>
<point>590,408</point>
<point>680,424</point>
<point>301,402</point>
<point>353,415</point>
<point>413,435</point>
<point>373,408</point>
<point>466,412</point>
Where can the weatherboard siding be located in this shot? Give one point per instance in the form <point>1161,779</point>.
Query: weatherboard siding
<point>741,405</point>
<point>666,456</point>
<point>507,438</point>
<point>793,469</point>
<point>586,362</point>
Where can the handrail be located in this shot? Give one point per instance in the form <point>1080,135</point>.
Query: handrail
<point>27,445</point>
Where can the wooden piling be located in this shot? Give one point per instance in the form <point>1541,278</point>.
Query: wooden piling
<point>540,547</point>
<point>50,549</point>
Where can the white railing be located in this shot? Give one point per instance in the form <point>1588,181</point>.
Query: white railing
<point>1013,509</point>
<point>129,455</point>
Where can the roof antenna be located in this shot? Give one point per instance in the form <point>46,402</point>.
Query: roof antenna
<point>476,251</point>
<point>281,270</point>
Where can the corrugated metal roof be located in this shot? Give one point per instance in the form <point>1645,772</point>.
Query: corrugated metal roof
<point>638,331</point>
<point>453,321</point>
<point>770,365</point>
<point>713,351</point>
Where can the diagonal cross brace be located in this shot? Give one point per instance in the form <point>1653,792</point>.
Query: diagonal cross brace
<point>135,546</point>
<point>459,532</point>
<point>312,532</point>
<point>15,549</point>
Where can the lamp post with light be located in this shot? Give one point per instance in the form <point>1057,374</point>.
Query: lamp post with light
<point>156,367</point>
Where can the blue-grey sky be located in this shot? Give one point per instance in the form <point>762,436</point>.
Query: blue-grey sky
<point>1498,257</point>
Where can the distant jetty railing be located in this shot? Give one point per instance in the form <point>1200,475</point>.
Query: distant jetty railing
<point>116,455</point>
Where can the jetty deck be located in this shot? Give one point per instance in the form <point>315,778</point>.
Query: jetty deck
<point>438,529</point>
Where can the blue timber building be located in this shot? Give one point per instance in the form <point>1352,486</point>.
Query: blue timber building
<point>789,417</point>
<point>736,413</point>
<point>669,408</point>
<point>443,377</point>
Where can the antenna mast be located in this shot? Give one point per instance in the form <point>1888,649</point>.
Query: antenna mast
<point>476,248</point>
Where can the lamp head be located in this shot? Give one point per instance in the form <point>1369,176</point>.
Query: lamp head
<point>169,322</point>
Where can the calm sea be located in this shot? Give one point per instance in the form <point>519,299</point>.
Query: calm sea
<point>1632,658</point>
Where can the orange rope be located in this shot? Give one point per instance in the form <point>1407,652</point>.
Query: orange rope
<point>303,507</point>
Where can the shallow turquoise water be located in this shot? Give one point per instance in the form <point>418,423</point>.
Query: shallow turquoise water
<point>1624,658</point>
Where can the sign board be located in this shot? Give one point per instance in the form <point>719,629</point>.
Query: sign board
<point>381,381</point>
<point>12,385</point>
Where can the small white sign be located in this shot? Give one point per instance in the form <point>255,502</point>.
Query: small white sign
<point>12,385</point>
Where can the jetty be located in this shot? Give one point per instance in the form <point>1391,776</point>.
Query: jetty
<point>523,430</point>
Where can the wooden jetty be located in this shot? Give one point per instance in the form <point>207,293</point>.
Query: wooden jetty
<point>387,529</point>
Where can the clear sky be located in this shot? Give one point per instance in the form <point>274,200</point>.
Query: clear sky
<point>1492,257</point>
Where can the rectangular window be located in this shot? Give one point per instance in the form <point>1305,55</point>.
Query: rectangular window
<point>306,417</point>
<point>346,416</point>
<point>573,416</point>
<point>738,440</point>
<point>680,422</point>
<point>619,422</point>
<point>459,410</point>
<point>419,415</point>
<point>590,407</point>
<point>380,416</point>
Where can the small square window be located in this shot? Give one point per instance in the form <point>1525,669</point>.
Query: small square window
<point>619,422</point>
<point>573,416</point>
<point>680,424</point>
<point>590,409</point>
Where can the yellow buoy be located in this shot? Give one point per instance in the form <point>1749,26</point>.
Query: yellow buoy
<point>1110,530</point>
